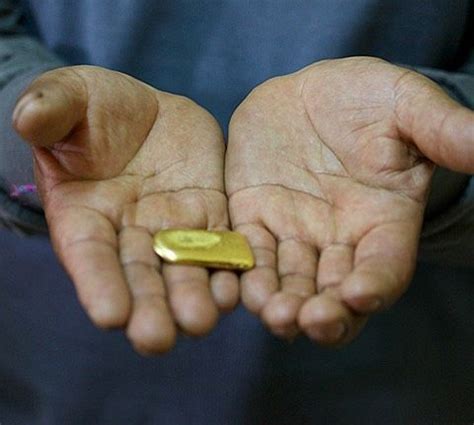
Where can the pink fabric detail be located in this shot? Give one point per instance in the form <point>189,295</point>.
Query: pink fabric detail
<point>22,189</point>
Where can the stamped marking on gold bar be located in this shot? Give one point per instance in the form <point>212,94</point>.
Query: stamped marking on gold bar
<point>216,249</point>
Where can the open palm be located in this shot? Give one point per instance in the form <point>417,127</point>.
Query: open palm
<point>326,177</point>
<point>116,161</point>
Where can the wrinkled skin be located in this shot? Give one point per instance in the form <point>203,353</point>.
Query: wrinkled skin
<point>116,161</point>
<point>328,172</point>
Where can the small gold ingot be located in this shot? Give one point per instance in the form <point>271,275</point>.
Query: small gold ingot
<point>215,249</point>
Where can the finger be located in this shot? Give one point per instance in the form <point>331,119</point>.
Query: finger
<point>51,107</point>
<point>297,265</point>
<point>258,284</point>
<point>327,321</point>
<point>225,289</point>
<point>280,314</point>
<point>384,263</point>
<point>86,243</point>
<point>441,128</point>
<point>190,298</point>
<point>188,287</point>
<point>224,284</point>
<point>334,265</point>
<point>151,328</point>
<point>187,208</point>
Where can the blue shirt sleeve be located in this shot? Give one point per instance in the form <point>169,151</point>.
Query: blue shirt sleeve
<point>22,58</point>
<point>448,234</point>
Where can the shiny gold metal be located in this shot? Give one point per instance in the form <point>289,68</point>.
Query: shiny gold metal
<point>221,250</point>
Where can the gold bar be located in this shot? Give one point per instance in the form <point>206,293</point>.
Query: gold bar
<point>214,249</point>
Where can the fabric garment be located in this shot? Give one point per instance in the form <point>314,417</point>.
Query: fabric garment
<point>411,365</point>
<point>216,51</point>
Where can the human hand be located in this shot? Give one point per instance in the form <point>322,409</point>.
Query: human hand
<point>116,161</point>
<point>327,173</point>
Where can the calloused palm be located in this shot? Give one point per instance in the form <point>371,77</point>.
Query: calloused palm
<point>327,175</point>
<point>116,161</point>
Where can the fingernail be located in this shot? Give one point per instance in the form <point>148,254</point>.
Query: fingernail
<point>329,333</point>
<point>375,304</point>
<point>336,332</point>
<point>365,304</point>
<point>23,102</point>
<point>292,335</point>
<point>18,109</point>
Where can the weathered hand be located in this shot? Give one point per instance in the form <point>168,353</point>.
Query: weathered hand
<point>327,173</point>
<point>115,161</point>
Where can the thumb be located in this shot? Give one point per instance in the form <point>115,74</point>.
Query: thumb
<point>50,107</point>
<point>441,128</point>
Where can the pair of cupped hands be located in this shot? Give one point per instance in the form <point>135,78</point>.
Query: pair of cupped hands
<point>327,173</point>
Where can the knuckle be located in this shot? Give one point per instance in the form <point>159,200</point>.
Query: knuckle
<point>107,316</point>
